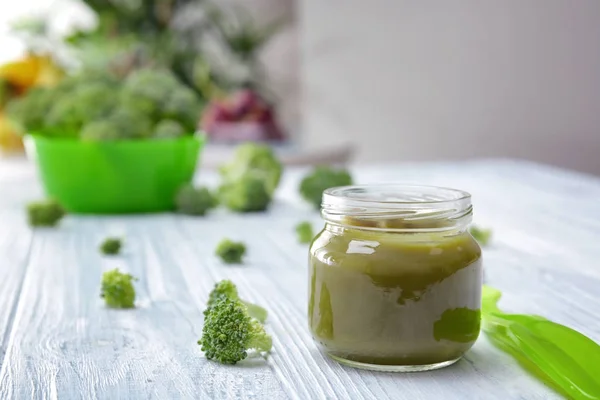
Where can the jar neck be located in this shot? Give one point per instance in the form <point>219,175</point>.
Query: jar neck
<point>397,208</point>
<point>339,229</point>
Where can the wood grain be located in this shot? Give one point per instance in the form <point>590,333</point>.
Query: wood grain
<point>59,341</point>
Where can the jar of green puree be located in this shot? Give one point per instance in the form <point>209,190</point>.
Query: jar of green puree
<point>395,277</point>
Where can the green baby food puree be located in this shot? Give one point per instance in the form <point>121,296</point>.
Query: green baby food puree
<point>385,298</point>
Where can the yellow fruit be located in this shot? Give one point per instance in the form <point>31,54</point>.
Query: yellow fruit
<point>33,70</point>
<point>49,74</point>
<point>10,140</point>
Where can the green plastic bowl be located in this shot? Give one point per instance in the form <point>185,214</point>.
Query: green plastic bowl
<point>115,177</point>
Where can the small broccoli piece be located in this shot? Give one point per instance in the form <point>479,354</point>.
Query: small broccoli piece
<point>305,232</point>
<point>117,289</point>
<point>229,332</point>
<point>256,160</point>
<point>44,213</point>
<point>482,235</point>
<point>194,201</point>
<point>321,178</point>
<point>230,252</point>
<point>111,246</point>
<point>228,289</point>
<point>168,129</point>
<point>248,194</point>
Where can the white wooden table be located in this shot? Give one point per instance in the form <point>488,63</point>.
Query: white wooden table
<point>59,341</point>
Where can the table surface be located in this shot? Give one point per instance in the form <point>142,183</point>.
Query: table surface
<point>59,341</point>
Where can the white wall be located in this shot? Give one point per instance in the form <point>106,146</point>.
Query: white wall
<point>419,80</point>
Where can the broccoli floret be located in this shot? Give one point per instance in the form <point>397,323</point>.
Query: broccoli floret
<point>99,131</point>
<point>63,110</point>
<point>321,178</point>
<point>194,201</point>
<point>256,160</point>
<point>111,246</point>
<point>247,194</point>
<point>148,91</point>
<point>44,213</point>
<point>120,125</point>
<point>304,232</point>
<point>152,83</point>
<point>168,129</point>
<point>228,289</point>
<point>72,82</point>
<point>117,289</point>
<point>482,235</point>
<point>131,124</point>
<point>183,106</point>
<point>88,102</point>
<point>136,102</point>
<point>230,252</point>
<point>229,332</point>
<point>29,111</point>
<point>158,95</point>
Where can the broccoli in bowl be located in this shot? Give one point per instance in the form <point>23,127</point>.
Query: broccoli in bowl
<point>147,104</point>
<point>106,146</point>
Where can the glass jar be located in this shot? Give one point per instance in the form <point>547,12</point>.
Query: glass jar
<point>395,277</point>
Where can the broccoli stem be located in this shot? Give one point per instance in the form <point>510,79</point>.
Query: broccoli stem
<point>261,343</point>
<point>259,339</point>
<point>255,311</point>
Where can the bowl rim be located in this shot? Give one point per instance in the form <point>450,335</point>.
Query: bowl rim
<point>198,136</point>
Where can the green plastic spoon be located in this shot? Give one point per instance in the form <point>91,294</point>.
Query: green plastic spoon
<point>561,357</point>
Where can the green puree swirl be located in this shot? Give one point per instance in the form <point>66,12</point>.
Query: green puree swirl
<point>395,298</point>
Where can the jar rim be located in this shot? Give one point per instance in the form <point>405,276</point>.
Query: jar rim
<point>351,192</point>
<point>407,205</point>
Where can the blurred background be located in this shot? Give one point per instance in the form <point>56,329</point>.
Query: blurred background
<point>352,80</point>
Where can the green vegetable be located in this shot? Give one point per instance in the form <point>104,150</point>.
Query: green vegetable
<point>100,131</point>
<point>44,213</point>
<point>561,357</point>
<point>119,125</point>
<point>231,252</point>
<point>111,246</point>
<point>257,161</point>
<point>305,232</point>
<point>183,105</point>
<point>168,129</point>
<point>483,236</point>
<point>30,110</point>
<point>229,332</point>
<point>87,103</point>
<point>131,124</point>
<point>248,194</point>
<point>194,201</point>
<point>117,289</point>
<point>228,289</point>
<point>321,178</point>
<point>60,109</point>
<point>147,90</point>
<point>158,94</point>
<point>97,107</point>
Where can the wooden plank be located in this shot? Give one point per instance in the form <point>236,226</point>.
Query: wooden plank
<point>14,253</point>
